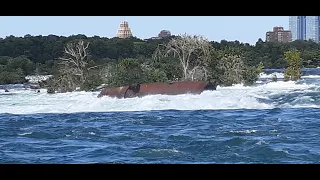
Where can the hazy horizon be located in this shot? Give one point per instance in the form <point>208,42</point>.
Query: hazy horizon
<point>246,29</point>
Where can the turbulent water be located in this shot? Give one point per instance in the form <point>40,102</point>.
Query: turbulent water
<point>271,122</point>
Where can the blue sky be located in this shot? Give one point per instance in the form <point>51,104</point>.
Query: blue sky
<point>242,28</point>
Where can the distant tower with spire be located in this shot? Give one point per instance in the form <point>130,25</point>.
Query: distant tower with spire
<point>124,31</point>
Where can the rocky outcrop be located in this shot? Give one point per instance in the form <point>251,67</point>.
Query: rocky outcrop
<point>174,88</point>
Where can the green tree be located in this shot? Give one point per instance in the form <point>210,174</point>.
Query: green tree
<point>170,66</point>
<point>12,77</point>
<point>228,66</point>
<point>293,71</point>
<point>251,74</point>
<point>23,63</point>
<point>126,72</point>
<point>94,80</point>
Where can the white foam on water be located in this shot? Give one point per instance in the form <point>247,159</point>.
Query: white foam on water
<point>23,134</point>
<point>235,97</point>
<point>311,76</point>
<point>269,76</point>
<point>245,131</point>
<point>165,150</point>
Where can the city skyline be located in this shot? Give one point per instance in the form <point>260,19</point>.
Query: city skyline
<point>247,29</point>
<point>305,27</point>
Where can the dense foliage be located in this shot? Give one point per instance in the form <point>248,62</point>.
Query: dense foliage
<point>294,61</point>
<point>132,58</point>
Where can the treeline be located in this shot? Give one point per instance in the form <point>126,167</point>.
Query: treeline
<point>29,55</point>
<point>181,58</point>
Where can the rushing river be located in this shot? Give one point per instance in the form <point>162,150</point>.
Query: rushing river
<point>271,122</point>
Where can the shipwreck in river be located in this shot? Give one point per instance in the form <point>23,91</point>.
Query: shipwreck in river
<point>174,88</point>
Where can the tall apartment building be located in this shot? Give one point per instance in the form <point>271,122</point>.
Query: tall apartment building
<point>124,31</point>
<point>305,27</point>
<point>279,34</point>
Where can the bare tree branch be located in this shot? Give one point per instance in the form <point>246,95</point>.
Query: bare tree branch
<point>192,52</point>
<point>74,65</point>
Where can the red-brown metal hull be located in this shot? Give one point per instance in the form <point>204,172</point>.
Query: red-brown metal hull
<point>175,88</point>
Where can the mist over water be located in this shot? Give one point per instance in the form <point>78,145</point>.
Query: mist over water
<point>271,122</point>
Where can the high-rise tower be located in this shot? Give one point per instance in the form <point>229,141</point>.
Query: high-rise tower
<point>305,27</point>
<point>124,31</point>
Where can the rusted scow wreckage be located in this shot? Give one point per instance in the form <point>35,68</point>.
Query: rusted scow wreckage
<point>174,88</point>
